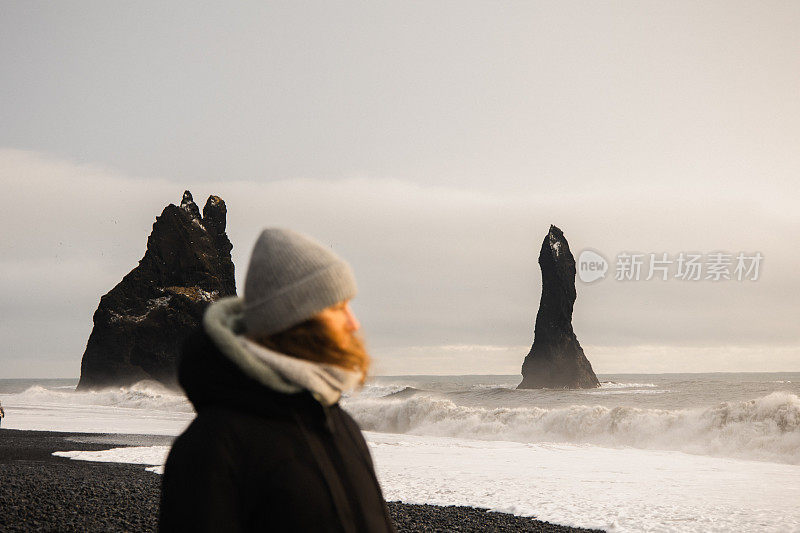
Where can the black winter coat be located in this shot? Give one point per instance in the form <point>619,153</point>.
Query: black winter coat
<point>259,460</point>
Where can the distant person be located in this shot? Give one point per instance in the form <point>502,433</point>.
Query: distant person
<point>2,414</point>
<point>270,448</point>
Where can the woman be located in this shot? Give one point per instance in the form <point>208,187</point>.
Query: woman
<point>270,448</point>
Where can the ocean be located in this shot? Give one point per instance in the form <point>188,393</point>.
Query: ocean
<point>644,452</point>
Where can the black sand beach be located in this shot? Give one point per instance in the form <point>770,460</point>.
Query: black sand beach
<point>40,492</point>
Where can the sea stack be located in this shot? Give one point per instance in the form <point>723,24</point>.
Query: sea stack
<point>141,323</point>
<point>556,359</point>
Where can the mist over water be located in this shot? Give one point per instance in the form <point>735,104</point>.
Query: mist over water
<point>746,416</point>
<point>53,405</point>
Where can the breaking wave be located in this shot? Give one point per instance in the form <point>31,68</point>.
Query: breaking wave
<point>765,428</point>
<point>405,392</point>
<point>148,395</point>
<point>379,391</point>
<point>615,385</point>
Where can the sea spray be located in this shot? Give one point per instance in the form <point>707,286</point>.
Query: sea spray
<point>652,412</point>
<point>149,395</point>
<point>765,428</point>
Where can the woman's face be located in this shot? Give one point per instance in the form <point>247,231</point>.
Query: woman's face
<point>340,318</point>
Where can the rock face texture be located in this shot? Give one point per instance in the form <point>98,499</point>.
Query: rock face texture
<point>556,359</point>
<point>140,323</point>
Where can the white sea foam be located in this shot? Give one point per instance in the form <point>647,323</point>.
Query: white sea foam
<point>144,455</point>
<point>624,391</point>
<point>580,485</point>
<point>377,391</point>
<point>494,386</point>
<point>614,385</point>
<point>766,428</point>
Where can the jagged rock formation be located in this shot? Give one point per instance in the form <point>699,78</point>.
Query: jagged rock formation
<point>140,324</point>
<point>556,359</point>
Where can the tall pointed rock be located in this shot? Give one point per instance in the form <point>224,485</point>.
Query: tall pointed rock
<point>141,323</point>
<point>556,359</point>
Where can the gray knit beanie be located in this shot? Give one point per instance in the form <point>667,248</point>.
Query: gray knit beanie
<point>290,278</point>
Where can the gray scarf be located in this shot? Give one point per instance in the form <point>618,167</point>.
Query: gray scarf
<point>223,322</point>
<point>326,382</point>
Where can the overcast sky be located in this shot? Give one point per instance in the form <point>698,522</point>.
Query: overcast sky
<point>431,144</point>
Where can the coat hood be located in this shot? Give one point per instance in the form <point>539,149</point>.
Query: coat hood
<point>223,321</point>
<point>212,380</point>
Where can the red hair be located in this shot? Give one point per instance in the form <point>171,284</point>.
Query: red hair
<point>313,340</point>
